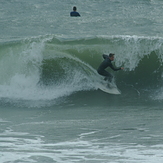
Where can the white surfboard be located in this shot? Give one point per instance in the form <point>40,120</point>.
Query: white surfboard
<point>111,89</point>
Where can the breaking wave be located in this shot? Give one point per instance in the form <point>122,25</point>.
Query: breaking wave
<point>50,67</point>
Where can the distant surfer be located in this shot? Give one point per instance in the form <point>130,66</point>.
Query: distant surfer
<point>74,12</point>
<point>107,63</point>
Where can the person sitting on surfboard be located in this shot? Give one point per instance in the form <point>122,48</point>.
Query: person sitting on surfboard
<point>107,63</point>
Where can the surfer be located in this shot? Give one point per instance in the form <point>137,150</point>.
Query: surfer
<point>107,63</point>
<point>74,12</point>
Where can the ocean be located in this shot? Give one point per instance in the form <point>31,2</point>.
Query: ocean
<point>51,110</point>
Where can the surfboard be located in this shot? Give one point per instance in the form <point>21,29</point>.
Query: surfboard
<point>109,88</point>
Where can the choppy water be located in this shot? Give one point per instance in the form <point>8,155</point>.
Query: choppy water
<point>50,107</point>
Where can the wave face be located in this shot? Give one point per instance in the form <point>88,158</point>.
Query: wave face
<point>49,67</point>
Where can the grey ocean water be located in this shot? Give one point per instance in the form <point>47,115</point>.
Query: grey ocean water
<point>51,110</point>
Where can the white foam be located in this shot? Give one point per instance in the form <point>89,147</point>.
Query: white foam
<point>22,147</point>
<point>82,151</point>
<point>157,95</point>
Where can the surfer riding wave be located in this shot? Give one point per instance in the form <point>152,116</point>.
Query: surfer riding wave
<point>107,63</point>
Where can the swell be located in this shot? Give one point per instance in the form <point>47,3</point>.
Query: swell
<point>140,56</point>
<point>50,67</point>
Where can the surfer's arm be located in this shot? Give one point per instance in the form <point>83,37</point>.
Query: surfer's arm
<point>115,69</point>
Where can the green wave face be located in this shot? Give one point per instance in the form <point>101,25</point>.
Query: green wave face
<point>69,65</point>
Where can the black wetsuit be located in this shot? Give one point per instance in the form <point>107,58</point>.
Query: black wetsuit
<point>74,13</point>
<point>106,63</point>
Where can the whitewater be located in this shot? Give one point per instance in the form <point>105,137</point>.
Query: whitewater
<point>51,109</point>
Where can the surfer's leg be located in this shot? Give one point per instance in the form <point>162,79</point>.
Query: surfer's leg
<point>109,77</point>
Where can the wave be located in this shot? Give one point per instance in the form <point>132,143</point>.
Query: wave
<point>50,67</point>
